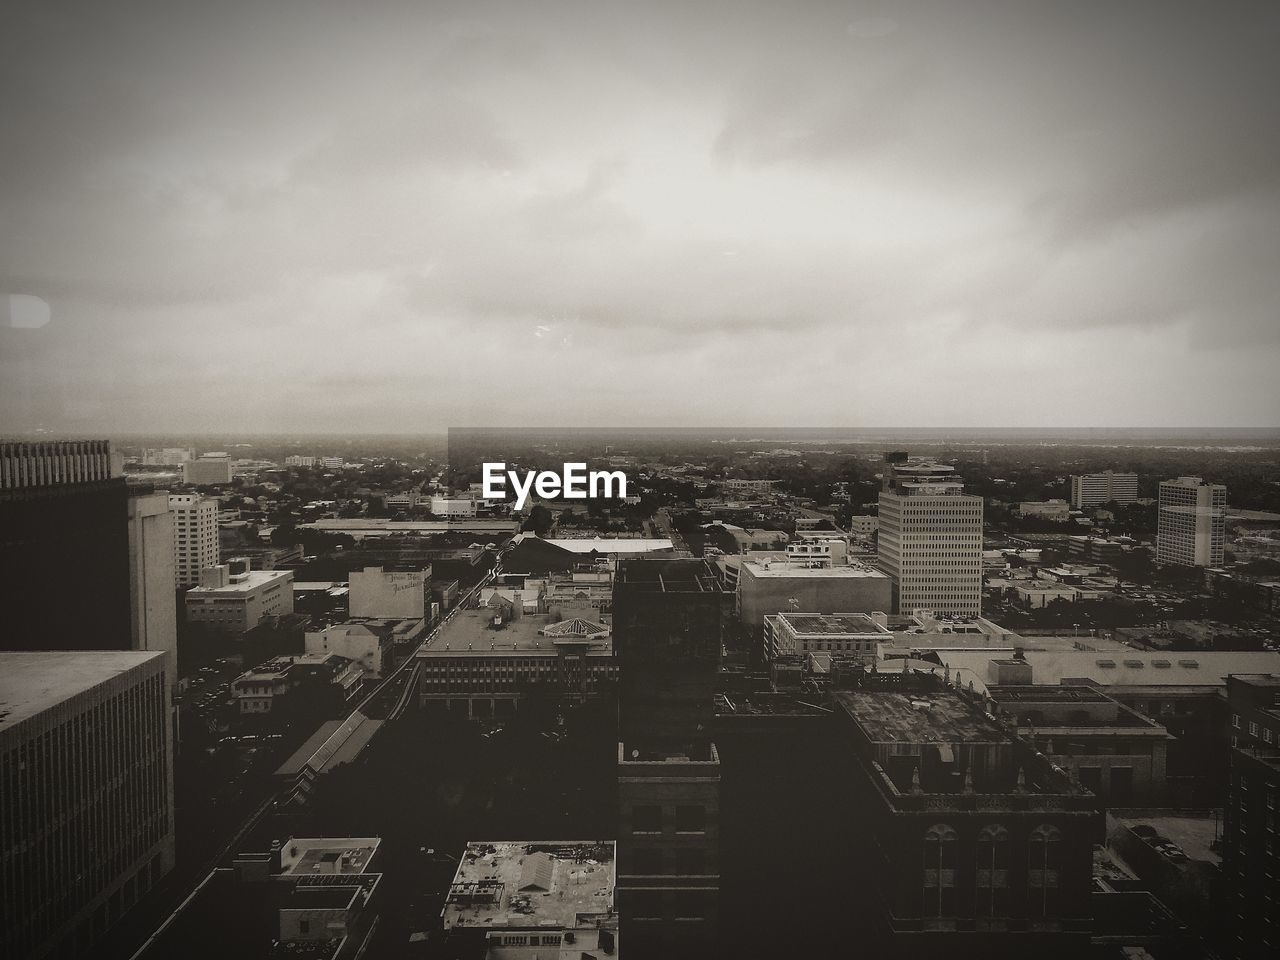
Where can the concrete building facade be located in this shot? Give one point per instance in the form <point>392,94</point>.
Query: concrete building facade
<point>195,537</point>
<point>378,592</point>
<point>1192,525</point>
<point>930,539</point>
<point>1092,489</point>
<point>151,574</point>
<point>231,598</point>
<point>86,795</point>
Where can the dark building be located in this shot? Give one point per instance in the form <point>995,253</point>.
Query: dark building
<point>668,623</point>
<point>982,847</point>
<point>64,547</point>
<point>668,618</point>
<point>86,794</point>
<point>1251,847</point>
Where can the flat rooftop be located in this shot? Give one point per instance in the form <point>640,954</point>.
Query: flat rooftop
<point>250,580</point>
<point>832,624</point>
<point>804,568</point>
<point>891,717</point>
<point>533,884</point>
<point>33,681</point>
<point>616,545</point>
<point>682,575</point>
<point>309,856</point>
<point>473,631</point>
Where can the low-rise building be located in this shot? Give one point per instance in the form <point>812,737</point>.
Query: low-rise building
<point>231,598</point>
<point>527,900</point>
<point>486,661</point>
<point>798,634</point>
<point>1095,549</point>
<point>766,587</point>
<point>208,469</point>
<point>979,840</point>
<point>454,506</point>
<point>1056,511</point>
<point>1115,752</point>
<point>313,684</point>
<point>370,642</point>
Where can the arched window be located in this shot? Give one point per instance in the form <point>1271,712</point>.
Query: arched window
<point>1044,861</point>
<point>992,881</point>
<point>940,844</point>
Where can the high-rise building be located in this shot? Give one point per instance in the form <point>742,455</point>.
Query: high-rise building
<point>669,619</point>
<point>151,573</point>
<point>1192,527</point>
<point>930,540</point>
<point>1250,846</point>
<point>195,533</point>
<point>1091,489</point>
<point>209,469</point>
<point>86,794</point>
<point>64,547</point>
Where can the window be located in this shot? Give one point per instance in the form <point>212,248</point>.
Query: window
<point>1044,856</point>
<point>992,879</point>
<point>691,861</point>
<point>690,904</point>
<point>691,819</point>
<point>646,860</point>
<point>644,904</point>
<point>646,819</point>
<point>939,871</point>
<point>304,926</point>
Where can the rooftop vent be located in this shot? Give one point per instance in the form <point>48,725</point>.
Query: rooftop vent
<point>1162,664</point>
<point>1189,664</point>
<point>1106,663</point>
<point>1135,664</point>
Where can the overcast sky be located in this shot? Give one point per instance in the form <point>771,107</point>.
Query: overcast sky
<point>398,217</point>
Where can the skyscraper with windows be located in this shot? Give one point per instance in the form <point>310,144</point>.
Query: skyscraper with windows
<point>930,540</point>
<point>86,794</point>
<point>195,537</point>
<point>64,547</point>
<point>1092,489</point>
<point>1192,526</point>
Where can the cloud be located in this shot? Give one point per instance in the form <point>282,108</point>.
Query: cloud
<point>736,213</point>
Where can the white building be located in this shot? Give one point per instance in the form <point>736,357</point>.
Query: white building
<point>863,526</point>
<point>751,486</point>
<point>167,456</point>
<point>152,573</point>
<point>232,598</point>
<point>333,463</point>
<point>299,461</point>
<point>195,536</point>
<point>367,642</point>
<point>376,592</point>
<point>1092,489</point>
<point>453,506</point>
<point>1058,511</point>
<point>797,634</point>
<point>930,540</point>
<point>209,469</point>
<point>1192,526</point>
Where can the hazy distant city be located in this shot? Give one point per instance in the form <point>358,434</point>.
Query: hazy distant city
<point>673,481</point>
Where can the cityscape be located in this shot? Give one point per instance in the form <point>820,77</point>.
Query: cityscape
<point>675,481</point>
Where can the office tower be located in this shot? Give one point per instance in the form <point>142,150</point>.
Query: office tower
<point>208,469</point>
<point>195,532</point>
<point>1250,846</point>
<point>930,540</point>
<point>668,623</point>
<point>1092,489</point>
<point>64,547</point>
<point>86,794</point>
<point>151,573</point>
<point>1192,527</point>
